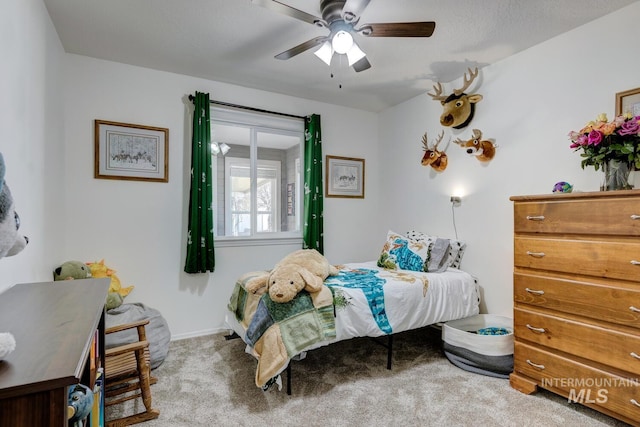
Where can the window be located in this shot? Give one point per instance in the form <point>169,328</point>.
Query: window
<point>257,194</point>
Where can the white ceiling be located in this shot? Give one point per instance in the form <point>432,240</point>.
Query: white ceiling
<point>235,41</point>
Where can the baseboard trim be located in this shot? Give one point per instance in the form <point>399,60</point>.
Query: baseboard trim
<point>201,333</point>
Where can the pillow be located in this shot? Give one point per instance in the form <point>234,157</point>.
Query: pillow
<point>402,253</point>
<point>456,251</point>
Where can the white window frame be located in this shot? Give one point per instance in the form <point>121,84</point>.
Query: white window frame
<point>275,212</point>
<point>261,122</point>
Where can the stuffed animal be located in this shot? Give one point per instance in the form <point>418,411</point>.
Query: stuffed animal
<point>98,270</point>
<point>11,241</point>
<point>79,404</point>
<point>7,344</point>
<point>71,270</point>
<point>303,269</point>
<point>483,150</point>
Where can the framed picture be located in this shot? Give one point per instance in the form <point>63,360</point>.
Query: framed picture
<point>628,101</point>
<point>344,177</point>
<point>133,152</point>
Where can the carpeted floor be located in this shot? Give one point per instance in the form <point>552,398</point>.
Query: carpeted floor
<point>209,381</point>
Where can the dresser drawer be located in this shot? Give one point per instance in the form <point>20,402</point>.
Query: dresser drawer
<point>597,299</point>
<point>591,216</point>
<point>612,348</point>
<point>616,259</point>
<point>611,392</point>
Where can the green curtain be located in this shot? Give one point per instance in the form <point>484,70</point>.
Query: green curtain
<point>200,253</point>
<point>312,232</point>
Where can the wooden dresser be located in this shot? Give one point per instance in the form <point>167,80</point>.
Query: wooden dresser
<point>54,325</point>
<point>577,298</point>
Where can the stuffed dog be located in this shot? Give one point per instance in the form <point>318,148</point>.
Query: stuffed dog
<point>303,269</point>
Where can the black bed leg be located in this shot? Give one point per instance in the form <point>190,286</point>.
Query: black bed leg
<point>389,351</point>
<point>289,379</point>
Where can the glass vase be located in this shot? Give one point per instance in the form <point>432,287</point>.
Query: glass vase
<point>616,176</point>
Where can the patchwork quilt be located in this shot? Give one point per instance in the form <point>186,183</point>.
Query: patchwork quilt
<point>275,332</point>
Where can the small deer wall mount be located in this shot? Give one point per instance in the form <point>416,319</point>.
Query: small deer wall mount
<point>483,150</point>
<point>458,107</point>
<point>432,156</point>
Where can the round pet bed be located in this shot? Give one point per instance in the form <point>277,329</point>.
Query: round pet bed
<point>482,344</point>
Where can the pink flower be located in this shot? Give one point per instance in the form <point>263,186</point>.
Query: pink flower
<point>619,120</point>
<point>595,137</point>
<point>582,140</point>
<point>630,127</point>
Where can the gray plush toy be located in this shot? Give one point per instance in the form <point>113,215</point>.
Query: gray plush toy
<point>11,241</point>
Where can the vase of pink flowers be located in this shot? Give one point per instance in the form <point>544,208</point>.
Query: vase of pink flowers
<point>613,146</point>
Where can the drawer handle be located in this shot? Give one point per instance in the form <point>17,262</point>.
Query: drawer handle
<point>635,262</point>
<point>635,216</point>
<point>535,365</point>
<point>533,291</point>
<point>634,354</point>
<point>535,254</point>
<point>538,330</point>
<point>535,218</point>
<point>635,402</point>
<point>632,308</point>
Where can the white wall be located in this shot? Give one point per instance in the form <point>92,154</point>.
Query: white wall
<point>31,135</point>
<point>139,227</point>
<point>531,102</point>
<point>50,99</point>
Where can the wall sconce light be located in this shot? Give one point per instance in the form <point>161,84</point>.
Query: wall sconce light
<point>219,148</point>
<point>456,200</point>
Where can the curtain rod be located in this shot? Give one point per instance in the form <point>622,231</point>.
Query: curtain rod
<point>259,110</point>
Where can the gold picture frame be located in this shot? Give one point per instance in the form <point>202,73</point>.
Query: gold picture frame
<point>344,177</point>
<point>131,152</point>
<point>628,101</point>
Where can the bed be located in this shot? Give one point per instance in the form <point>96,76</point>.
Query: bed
<point>370,299</point>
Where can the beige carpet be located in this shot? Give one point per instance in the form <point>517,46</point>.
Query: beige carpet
<point>209,381</point>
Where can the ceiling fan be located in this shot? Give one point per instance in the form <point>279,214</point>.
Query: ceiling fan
<point>341,18</point>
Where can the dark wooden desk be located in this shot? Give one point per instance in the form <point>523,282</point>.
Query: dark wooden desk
<point>54,325</point>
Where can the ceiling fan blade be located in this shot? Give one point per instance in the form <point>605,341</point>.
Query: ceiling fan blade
<point>309,44</point>
<point>286,10</point>
<point>354,7</point>
<point>400,29</point>
<point>361,65</point>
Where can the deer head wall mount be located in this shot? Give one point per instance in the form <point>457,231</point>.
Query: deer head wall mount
<point>432,156</point>
<point>458,107</point>
<point>484,150</point>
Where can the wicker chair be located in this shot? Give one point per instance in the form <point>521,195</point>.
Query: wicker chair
<point>128,375</point>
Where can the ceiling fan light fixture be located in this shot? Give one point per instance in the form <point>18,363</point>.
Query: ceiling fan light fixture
<point>355,54</point>
<point>219,147</point>
<point>325,53</point>
<point>342,41</point>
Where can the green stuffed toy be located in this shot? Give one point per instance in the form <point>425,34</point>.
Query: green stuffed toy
<point>72,270</point>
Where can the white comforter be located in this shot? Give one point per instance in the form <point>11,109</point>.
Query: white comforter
<point>411,300</point>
